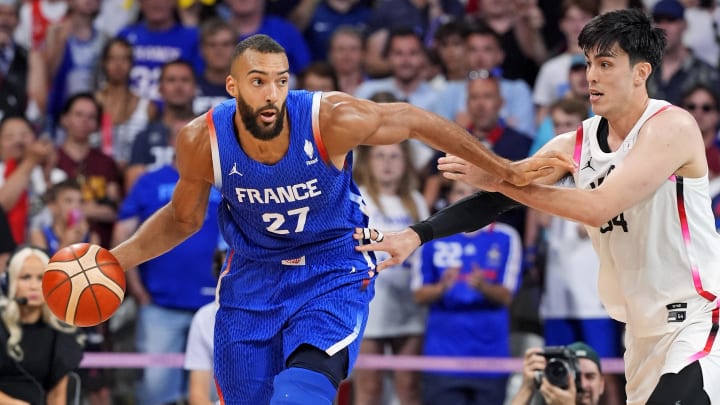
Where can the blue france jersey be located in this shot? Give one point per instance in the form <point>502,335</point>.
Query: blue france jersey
<point>299,211</point>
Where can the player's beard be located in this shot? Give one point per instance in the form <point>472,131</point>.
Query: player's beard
<point>250,119</point>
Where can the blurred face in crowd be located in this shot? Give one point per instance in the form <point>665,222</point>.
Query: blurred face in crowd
<point>387,164</point>
<point>577,79</point>
<point>85,7</point>
<point>564,122</point>
<point>158,11</point>
<point>407,58</point>
<point>452,53</point>
<point>8,23</point>
<point>245,7</point>
<point>15,136</point>
<point>118,63</point>
<point>177,85</point>
<point>346,53</point>
<point>315,82</point>
<point>483,52</point>
<point>573,22</point>
<point>703,107</point>
<point>484,103</point>
<point>67,202</point>
<point>81,120</point>
<point>493,8</point>
<point>217,49</point>
<point>674,29</point>
<point>592,383</point>
<point>29,281</point>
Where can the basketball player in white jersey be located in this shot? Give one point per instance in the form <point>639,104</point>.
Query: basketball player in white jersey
<point>642,192</point>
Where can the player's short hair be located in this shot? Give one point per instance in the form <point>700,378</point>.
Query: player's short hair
<point>631,29</point>
<point>259,43</point>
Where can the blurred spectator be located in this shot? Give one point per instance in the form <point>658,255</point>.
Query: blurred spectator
<point>69,225</point>
<point>217,43</point>
<point>406,56</point>
<point>7,243</point>
<point>37,352</point>
<point>96,172</point>
<point>36,16</point>
<point>592,382</point>
<point>396,323</point>
<point>422,17</point>
<point>469,280</point>
<point>484,53</point>
<point>167,298</point>
<point>328,16</point>
<point>551,83</point>
<point>13,63</point>
<point>451,49</point>
<point>318,76</point>
<point>199,357</point>
<point>703,17</point>
<point>609,5</point>
<point>578,91</point>
<point>703,102</point>
<point>193,12</point>
<point>116,15</point>
<point>151,148</point>
<point>158,39</point>
<point>124,114</point>
<point>73,51</point>
<point>345,54</point>
<point>483,105</point>
<point>679,69</point>
<point>248,17</point>
<point>27,166</point>
<point>199,351</point>
<point>518,25</point>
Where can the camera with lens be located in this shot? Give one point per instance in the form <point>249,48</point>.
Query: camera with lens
<point>561,364</point>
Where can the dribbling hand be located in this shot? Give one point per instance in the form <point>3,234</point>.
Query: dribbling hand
<point>399,245</point>
<point>540,165</point>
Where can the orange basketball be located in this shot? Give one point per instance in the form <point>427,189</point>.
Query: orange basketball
<point>83,284</point>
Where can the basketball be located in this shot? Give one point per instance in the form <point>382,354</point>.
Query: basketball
<point>83,284</point>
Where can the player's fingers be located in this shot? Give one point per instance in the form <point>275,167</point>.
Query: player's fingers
<point>452,176</point>
<point>387,263</point>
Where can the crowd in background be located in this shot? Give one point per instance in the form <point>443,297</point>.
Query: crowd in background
<point>93,93</point>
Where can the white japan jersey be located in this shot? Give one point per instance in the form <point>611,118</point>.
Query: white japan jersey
<point>660,259</point>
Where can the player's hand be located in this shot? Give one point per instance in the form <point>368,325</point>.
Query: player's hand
<point>557,396</point>
<point>399,245</point>
<point>538,166</point>
<point>455,168</point>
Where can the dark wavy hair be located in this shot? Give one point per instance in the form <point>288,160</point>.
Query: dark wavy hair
<point>631,29</point>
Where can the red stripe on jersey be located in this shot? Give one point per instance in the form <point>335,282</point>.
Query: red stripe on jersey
<point>578,144</point>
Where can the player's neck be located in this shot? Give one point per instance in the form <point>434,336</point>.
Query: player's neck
<point>622,122</point>
<point>268,152</point>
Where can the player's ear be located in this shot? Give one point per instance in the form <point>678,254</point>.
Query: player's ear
<point>642,72</point>
<point>230,86</point>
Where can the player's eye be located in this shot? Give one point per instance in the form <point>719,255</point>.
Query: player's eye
<point>284,81</point>
<point>256,82</point>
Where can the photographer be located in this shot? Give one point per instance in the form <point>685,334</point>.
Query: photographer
<point>591,387</point>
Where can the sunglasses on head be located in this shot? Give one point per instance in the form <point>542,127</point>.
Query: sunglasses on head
<point>703,107</point>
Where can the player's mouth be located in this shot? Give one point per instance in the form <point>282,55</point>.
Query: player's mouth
<point>268,116</point>
<point>595,95</point>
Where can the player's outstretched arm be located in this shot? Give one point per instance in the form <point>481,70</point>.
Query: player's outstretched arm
<point>346,122</point>
<point>185,213</point>
<point>466,215</point>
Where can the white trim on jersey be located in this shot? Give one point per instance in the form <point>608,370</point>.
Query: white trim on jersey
<point>317,96</point>
<point>332,350</point>
<point>214,149</point>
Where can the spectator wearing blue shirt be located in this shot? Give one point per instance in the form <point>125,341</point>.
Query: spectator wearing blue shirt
<point>170,288</point>
<point>469,280</point>
<point>249,18</point>
<point>328,16</point>
<point>159,38</point>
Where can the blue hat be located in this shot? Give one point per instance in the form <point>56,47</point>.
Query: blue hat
<point>668,8</point>
<point>577,60</point>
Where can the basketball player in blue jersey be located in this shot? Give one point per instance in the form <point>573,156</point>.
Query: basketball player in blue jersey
<point>642,192</point>
<point>294,292</point>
